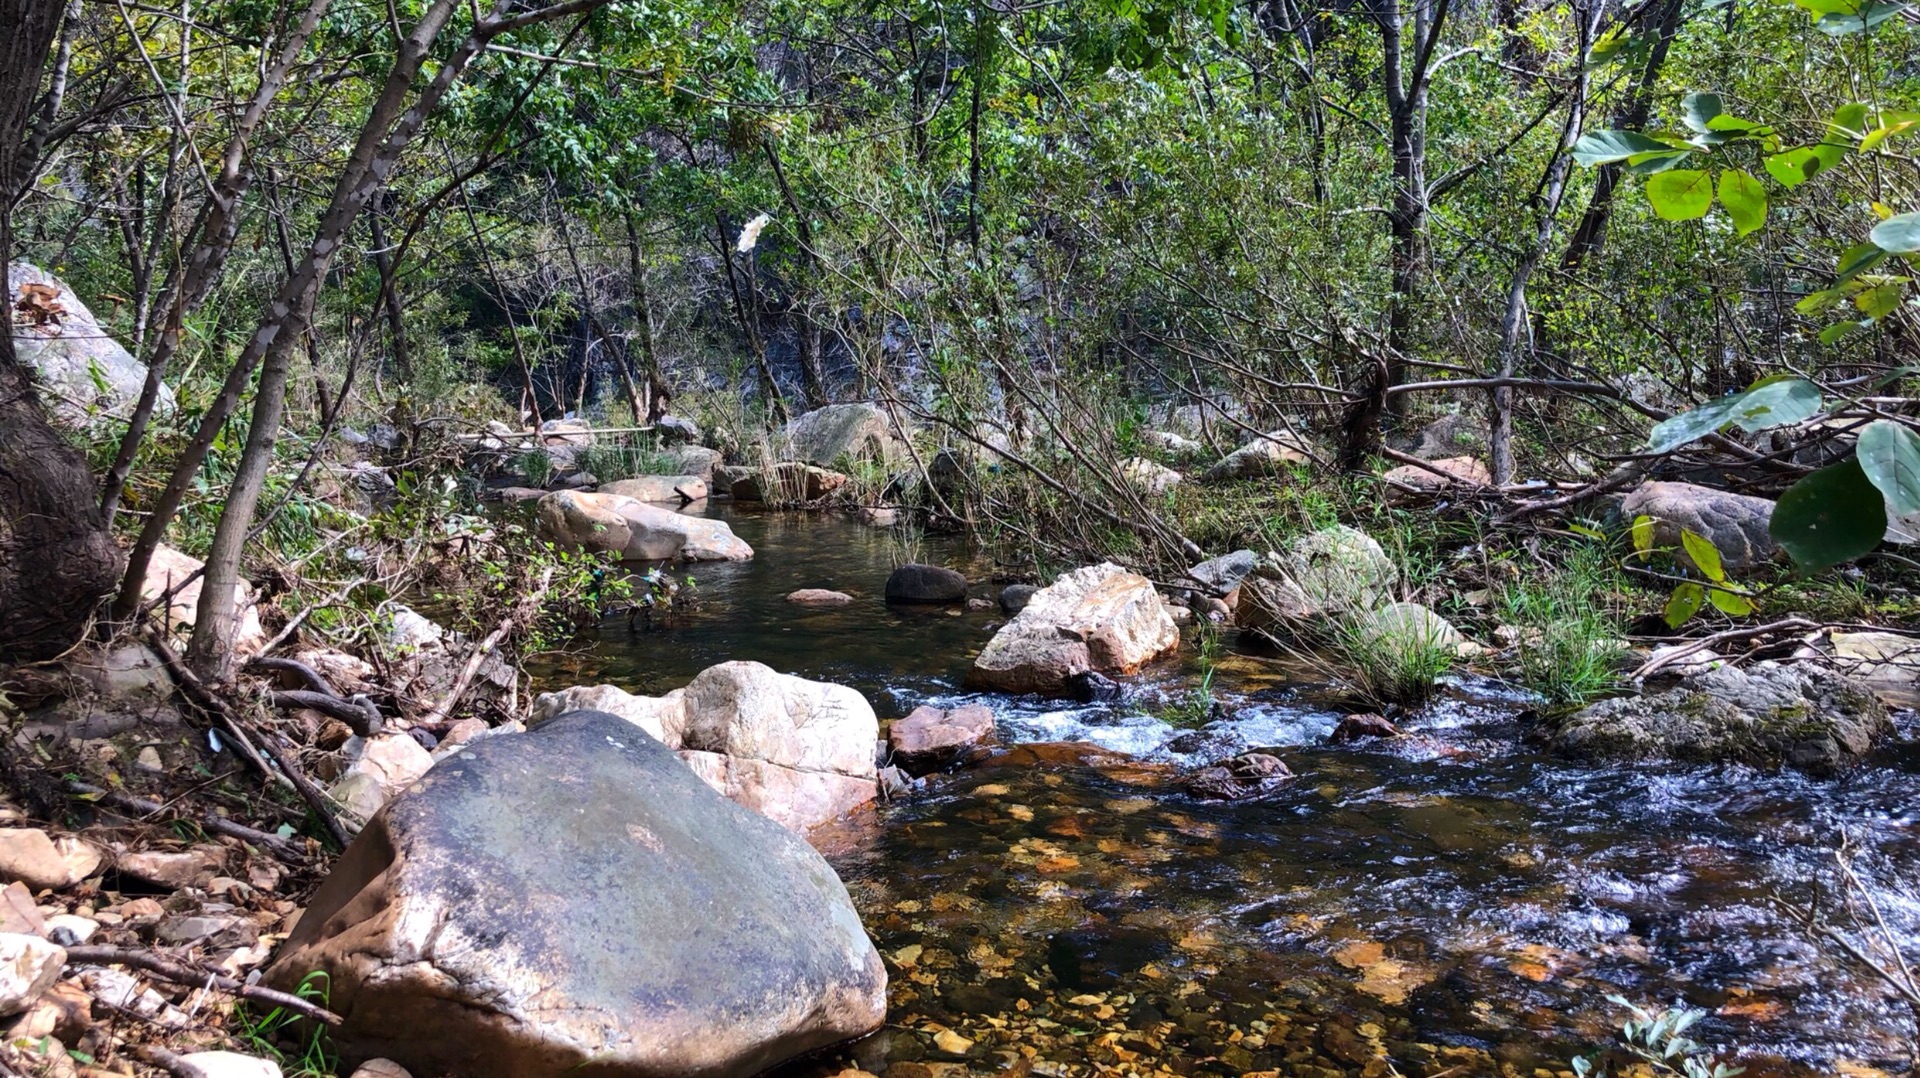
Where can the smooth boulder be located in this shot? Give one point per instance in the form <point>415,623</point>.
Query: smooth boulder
<point>635,530</point>
<point>1263,456</point>
<point>1803,716</point>
<point>660,489</point>
<point>1322,575</point>
<point>786,482</point>
<point>1736,524</point>
<point>1099,619</point>
<point>926,584</point>
<point>1449,475</point>
<point>930,738</point>
<point>85,375</point>
<point>850,431</point>
<point>799,752</point>
<point>1149,477</point>
<point>573,901</point>
<point>42,862</point>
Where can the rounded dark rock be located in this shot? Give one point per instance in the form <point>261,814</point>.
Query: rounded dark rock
<point>931,584</point>
<point>1014,597</point>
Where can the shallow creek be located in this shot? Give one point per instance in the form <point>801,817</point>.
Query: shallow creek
<point>1453,902</point>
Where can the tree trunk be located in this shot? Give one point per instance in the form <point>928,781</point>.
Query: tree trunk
<point>57,560</point>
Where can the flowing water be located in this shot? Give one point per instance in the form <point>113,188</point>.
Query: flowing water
<point>1453,902</point>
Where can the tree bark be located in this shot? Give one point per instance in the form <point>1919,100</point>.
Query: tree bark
<point>57,560</point>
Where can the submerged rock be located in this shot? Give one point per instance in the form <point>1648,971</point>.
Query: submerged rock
<point>1102,619</point>
<point>1323,574</point>
<point>635,530</point>
<point>1015,597</point>
<point>930,738</point>
<point>574,901</point>
<point>1246,775</point>
<point>1735,523</point>
<point>799,752</point>
<point>1802,716</point>
<point>1361,727</point>
<point>916,583</point>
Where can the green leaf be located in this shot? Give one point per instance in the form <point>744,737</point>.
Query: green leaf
<point>1744,198</point>
<point>1817,8</point>
<point>1643,534</point>
<point>1730,602</point>
<point>1858,259</point>
<point>1652,164</point>
<point>1675,431</point>
<point>1898,235</point>
<point>1816,302</point>
<point>1849,122</point>
<point>1581,529</point>
<point>1841,330</point>
<point>1704,555</point>
<point>1834,515</point>
<point>1891,124</point>
<point>1606,147</point>
<point>1871,14</point>
<point>1684,604</point>
<point>1774,402</point>
<point>1682,194</point>
<point>1699,109</point>
<point>1880,301</point>
<point>1889,454</point>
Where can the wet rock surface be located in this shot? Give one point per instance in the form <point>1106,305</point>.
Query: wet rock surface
<point>932,584</point>
<point>635,530</point>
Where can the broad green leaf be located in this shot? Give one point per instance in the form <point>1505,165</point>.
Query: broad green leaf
<point>1684,604</point>
<point>1849,122</point>
<point>1699,109</point>
<point>1643,534</point>
<point>1890,456</point>
<point>1817,8</point>
<point>1841,330</point>
<point>1675,431</point>
<point>1871,14</point>
<point>1878,302</point>
<point>1834,515</point>
<point>1652,164</point>
<point>1897,235</point>
<point>1858,259</point>
<point>1744,198</point>
<point>1730,602</point>
<point>1774,402</point>
<point>1791,168</point>
<point>1891,124</point>
<point>1816,302</point>
<point>1682,194</point>
<point>1703,554</point>
<point>1730,123</point>
<point>1606,147</point>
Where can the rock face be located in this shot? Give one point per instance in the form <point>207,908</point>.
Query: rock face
<point>1263,456</point>
<point>84,373</point>
<point>799,752</point>
<point>1323,574</point>
<point>1461,474</point>
<point>789,481</point>
<point>663,489</point>
<point>916,583</point>
<point>635,530</point>
<point>857,431</point>
<point>573,901</point>
<point>1802,716</point>
<point>42,862</point>
<point>930,738</point>
<point>1148,477</point>
<point>1102,619</point>
<point>1735,523</point>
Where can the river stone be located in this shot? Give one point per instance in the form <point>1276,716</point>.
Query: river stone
<point>1246,775</point>
<point>931,738</point>
<point>29,966</point>
<point>1877,658</point>
<point>799,752</point>
<point>1735,523</point>
<point>916,583</point>
<point>84,374</point>
<point>573,901</point>
<point>1223,574</point>
<point>788,481</point>
<point>1262,456</point>
<point>1015,597</point>
<point>1101,618</point>
<point>1803,716</point>
<point>853,431</point>
<point>170,571</point>
<point>1148,477</point>
<point>819,597</point>
<point>694,460</point>
<point>662,489</point>
<point>1324,574</point>
<point>635,530</point>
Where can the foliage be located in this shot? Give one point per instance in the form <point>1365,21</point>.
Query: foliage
<point>266,1033</point>
<point>1389,665</point>
<point>1657,1041</point>
<point>1570,651</point>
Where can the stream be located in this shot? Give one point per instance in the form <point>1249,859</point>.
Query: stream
<point>1454,902</point>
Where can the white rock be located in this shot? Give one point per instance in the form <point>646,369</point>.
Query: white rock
<point>28,967</point>
<point>226,1065</point>
<point>379,768</point>
<point>78,929</point>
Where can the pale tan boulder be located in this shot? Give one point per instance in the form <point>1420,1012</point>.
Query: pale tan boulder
<point>170,571</point>
<point>1266,455</point>
<point>1101,619</point>
<point>379,769</point>
<point>1451,475</point>
<point>659,489</point>
<point>1148,477</point>
<point>42,862</point>
<point>635,530</point>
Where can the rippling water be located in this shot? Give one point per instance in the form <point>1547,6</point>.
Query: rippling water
<point>1452,902</point>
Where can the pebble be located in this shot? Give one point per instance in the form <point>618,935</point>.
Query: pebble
<point>381,1068</point>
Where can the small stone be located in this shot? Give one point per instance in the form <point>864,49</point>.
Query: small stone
<point>148,760</point>
<point>930,738</point>
<point>464,731</point>
<point>819,597</point>
<point>381,1068</point>
<point>175,869</point>
<point>1359,727</point>
<point>29,966</point>
<point>1014,597</point>
<point>382,767</point>
<point>1243,776</point>
<point>193,929</point>
<point>68,930</point>
<point>225,1065</point>
<point>44,863</point>
<point>951,1043</point>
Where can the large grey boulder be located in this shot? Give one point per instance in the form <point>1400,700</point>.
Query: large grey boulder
<point>857,431</point>
<point>1101,619</point>
<point>1803,716</point>
<point>1223,574</point>
<point>1322,575</point>
<point>694,460</point>
<point>1263,456</point>
<point>84,373</point>
<point>635,530</point>
<point>574,901</point>
<point>796,751</point>
<point>914,583</point>
<point>1735,523</point>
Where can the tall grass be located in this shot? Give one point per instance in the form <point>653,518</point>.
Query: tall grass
<point>1569,650</point>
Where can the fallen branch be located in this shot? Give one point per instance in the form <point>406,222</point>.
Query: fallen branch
<point>315,679</point>
<point>196,977</point>
<point>525,610</point>
<point>1660,662</point>
<point>283,848</point>
<point>357,711</point>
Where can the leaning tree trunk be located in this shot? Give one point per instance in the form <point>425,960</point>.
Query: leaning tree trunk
<point>56,558</point>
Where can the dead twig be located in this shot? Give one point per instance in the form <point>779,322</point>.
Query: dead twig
<point>1660,662</point>
<point>283,848</point>
<point>357,711</point>
<point>525,610</point>
<point>197,977</point>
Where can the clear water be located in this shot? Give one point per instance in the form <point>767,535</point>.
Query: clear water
<point>1453,902</point>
